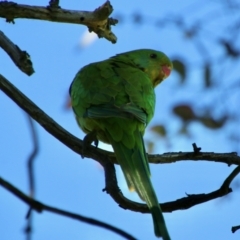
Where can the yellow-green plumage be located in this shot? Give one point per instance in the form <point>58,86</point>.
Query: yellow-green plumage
<point>116,99</point>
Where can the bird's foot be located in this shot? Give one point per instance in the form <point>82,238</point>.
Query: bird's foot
<point>87,141</point>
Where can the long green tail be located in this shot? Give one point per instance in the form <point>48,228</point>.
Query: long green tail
<point>136,170</point>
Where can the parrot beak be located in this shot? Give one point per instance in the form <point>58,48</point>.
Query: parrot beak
<point>166,70</point>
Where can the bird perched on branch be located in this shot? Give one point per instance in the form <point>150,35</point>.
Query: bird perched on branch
<point>113,101</point>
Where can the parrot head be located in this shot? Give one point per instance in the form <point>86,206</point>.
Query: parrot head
<point>154,63</point>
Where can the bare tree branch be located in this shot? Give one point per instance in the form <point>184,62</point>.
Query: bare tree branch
<point>19,57</point>
<point>180,204</point>
<point>40,207</point>
<point>171,157</point>
<point>32,157</point>
<point>96,21</point>
<point>97,154</point>
<point>31,179</point>
<point>106,159</point>
<point>235,228</point>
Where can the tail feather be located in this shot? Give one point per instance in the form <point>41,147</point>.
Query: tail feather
<point>135,167</point>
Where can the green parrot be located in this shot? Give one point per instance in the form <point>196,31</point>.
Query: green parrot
<point>113,101</point>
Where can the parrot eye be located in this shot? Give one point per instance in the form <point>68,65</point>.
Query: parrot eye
<point>153,55</point>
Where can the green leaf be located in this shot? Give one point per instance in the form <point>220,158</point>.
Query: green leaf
<point>185,112</point>
<point>212,123</point>
<point>159,130</point>
<point>149,146</point>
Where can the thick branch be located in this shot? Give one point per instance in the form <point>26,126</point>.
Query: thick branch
<point>19,57</point>
<point>97,20</point>
<point>39,207</point>
<point>37,114</point>
<point>106,159</point>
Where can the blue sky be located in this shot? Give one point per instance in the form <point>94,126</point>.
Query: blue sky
<point>65,180</point>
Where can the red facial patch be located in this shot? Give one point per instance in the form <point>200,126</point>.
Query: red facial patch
<point>166,70</point>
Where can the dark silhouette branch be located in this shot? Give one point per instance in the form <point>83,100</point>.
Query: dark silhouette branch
<point>172,157</point>
<point>40,207</point>
<point>32,156</point>
<point>180,204</point>
<point>96,21</point>
<point>107,159</point>
<point>38,115</point>
<point>31,178</point>
<point>235,228</point>
<point>53,12</point>
<point>19,57</point>
<point>97,154</point>
<point>54,4</point>
<point>196,149</point>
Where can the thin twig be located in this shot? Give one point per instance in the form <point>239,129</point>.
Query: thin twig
<point>30,163</point>
<point>54,4</point>
<point>32,156</point>
<point>172,157</point>
<point>40,207</point>
<point>28,229</point>
<point>235,228</point>
<point>97,20</point>
<point>19,57</point>
<point>230,178</point>
<point>196,149</point>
